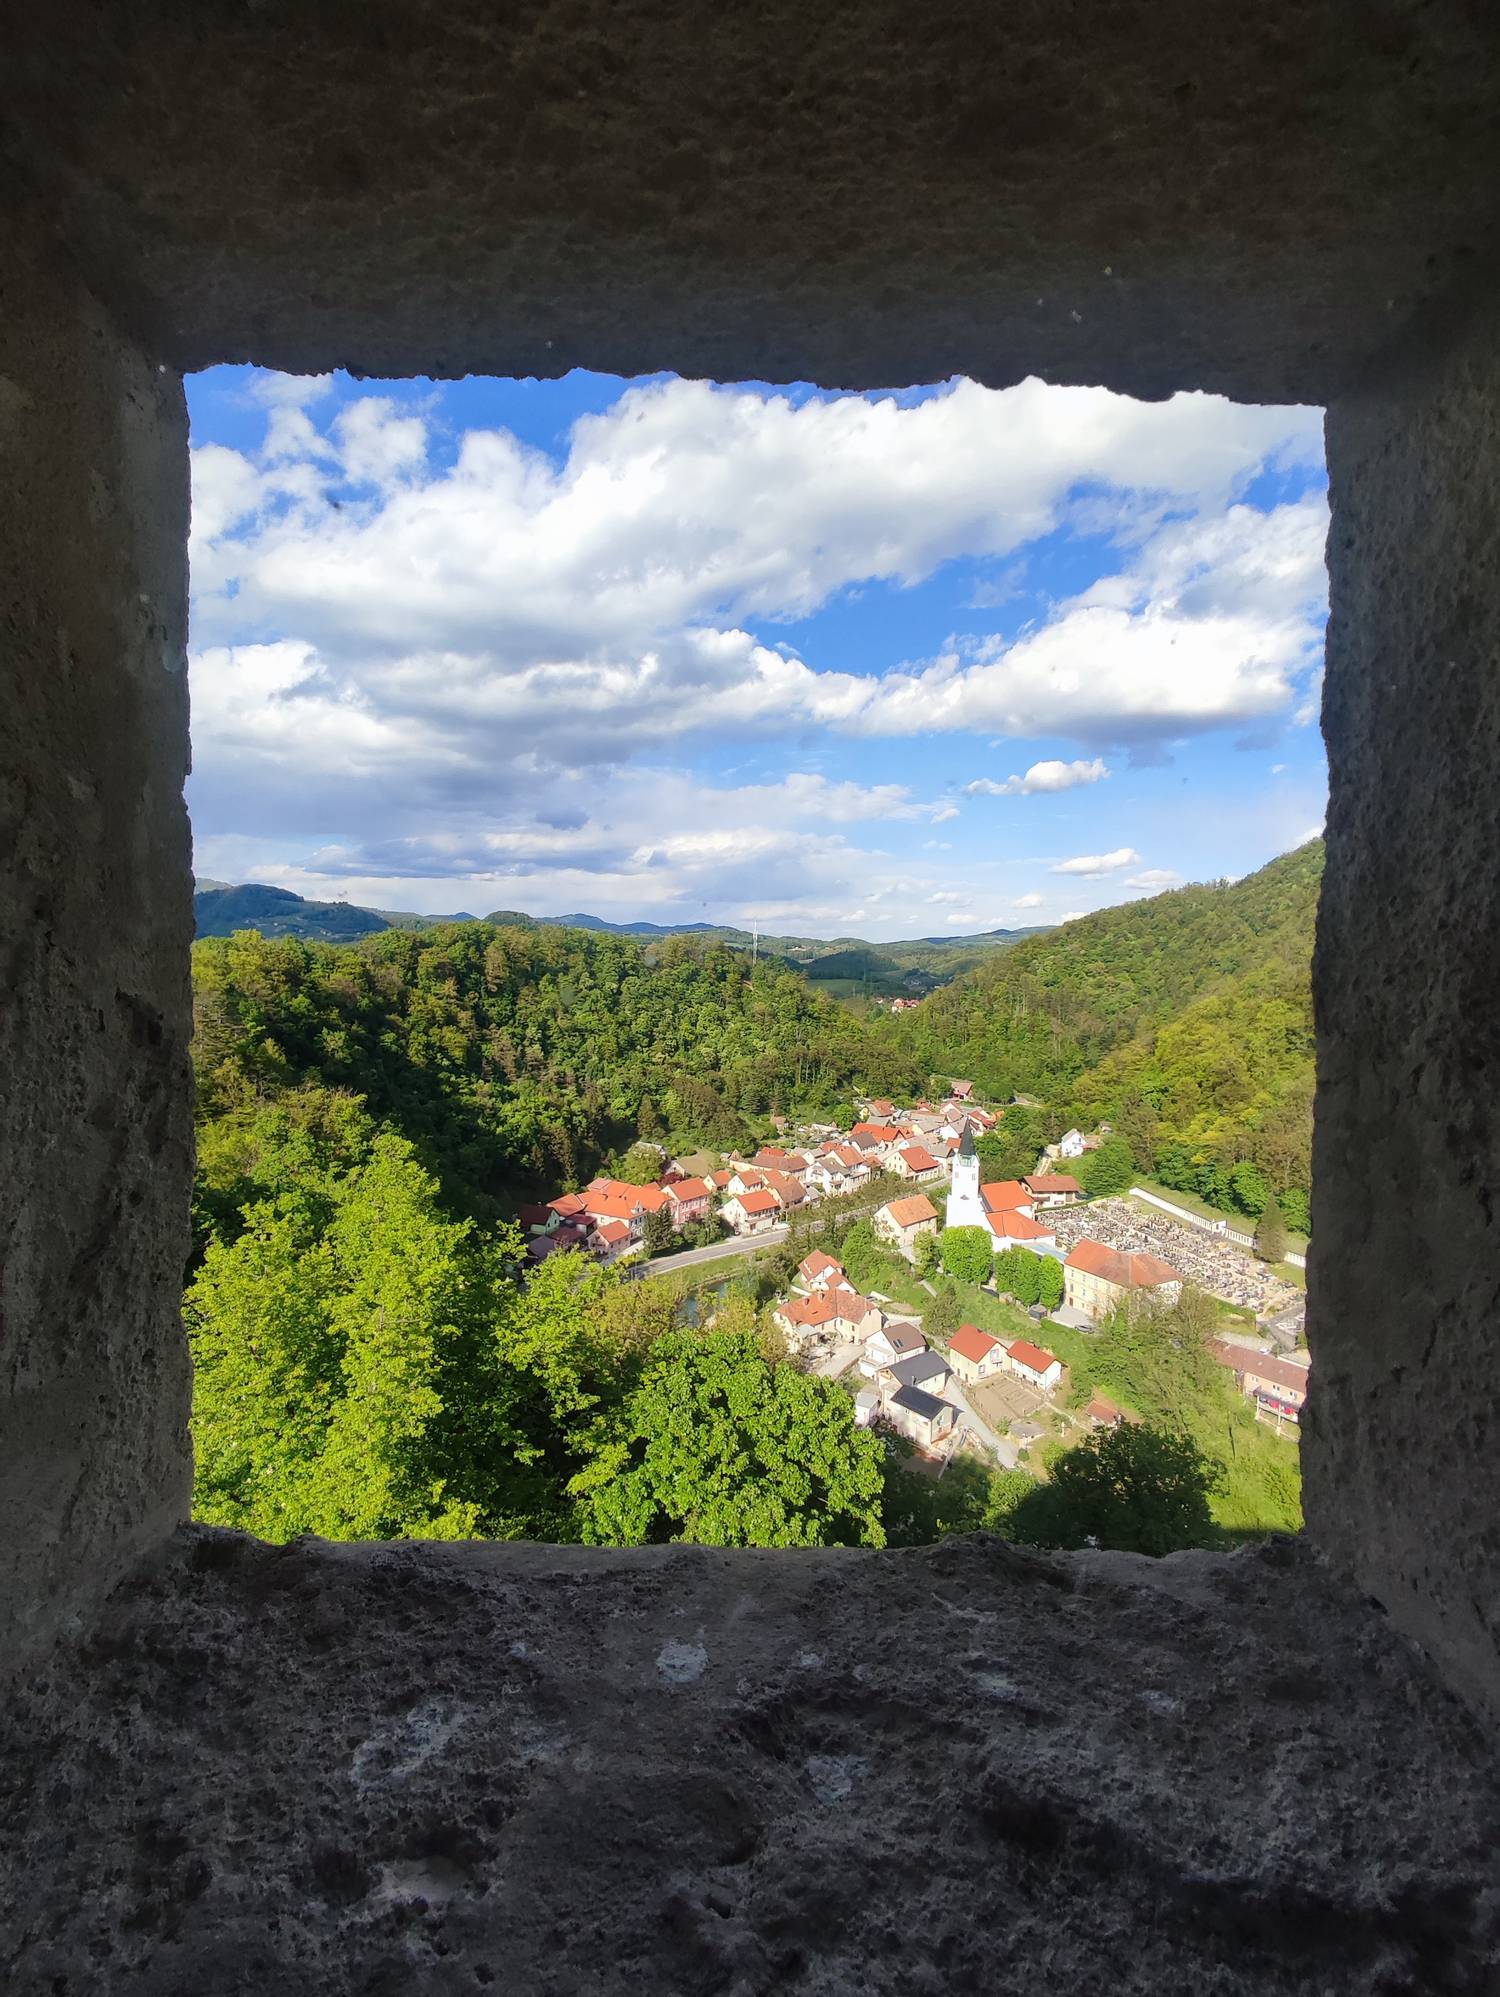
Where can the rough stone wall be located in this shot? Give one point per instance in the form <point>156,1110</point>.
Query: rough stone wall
<point>1402,1458</point>
<point>428,1771</point>
<point>1156,194</point>
<point>95,924</point>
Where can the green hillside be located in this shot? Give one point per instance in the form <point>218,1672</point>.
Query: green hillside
<point>514,1059</point>
<point>1186,1018</point>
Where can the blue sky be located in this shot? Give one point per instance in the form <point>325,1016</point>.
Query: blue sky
<point>886,665</point>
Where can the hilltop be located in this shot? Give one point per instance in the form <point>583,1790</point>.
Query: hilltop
<point>845,967</point>
<point>1186,1018</point>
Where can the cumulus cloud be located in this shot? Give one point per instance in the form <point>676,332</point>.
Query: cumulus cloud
<point>1154,877</point>
<point>425,656</point>
<point>1027,901</point>
<point>1093,864</point>
<point>1048,776</point>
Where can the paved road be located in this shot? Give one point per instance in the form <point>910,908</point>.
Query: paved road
<point>736,1244</point>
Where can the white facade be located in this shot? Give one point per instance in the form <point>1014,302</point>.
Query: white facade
<point>965,1207</point>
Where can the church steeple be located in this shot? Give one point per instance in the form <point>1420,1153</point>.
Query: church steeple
<point>966,1140</point>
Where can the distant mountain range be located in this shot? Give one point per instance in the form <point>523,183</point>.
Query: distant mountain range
<point>847,966</point>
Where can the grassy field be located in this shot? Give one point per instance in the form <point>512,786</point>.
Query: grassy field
<point>1193,1204</point>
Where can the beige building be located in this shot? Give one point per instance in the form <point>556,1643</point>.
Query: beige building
<point>1096,1278</point>
<point>903,1222</point>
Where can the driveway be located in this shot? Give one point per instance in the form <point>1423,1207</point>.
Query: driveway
<point>735,1244</point>
<point>998,1445</point>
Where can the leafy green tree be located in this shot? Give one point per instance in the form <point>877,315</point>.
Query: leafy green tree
<point>641,1165</point>
<point>1134,1488</point>
<point>659,1234</point>
<point>1248,1187</point>
<point>1108,1170</point>
<point>1027,1285</point>
<point>942,1316</point>
<point>345,1382</point>
<point>715,1445</point>
<point>928,1261</point>
<point>967,1253</point>
<point>1050,1282</point>
<point>1270,1235</point>
<point>968,1497</point>
<point>1296,1210</point>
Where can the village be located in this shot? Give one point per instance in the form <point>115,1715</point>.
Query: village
<point>1000,1393</point>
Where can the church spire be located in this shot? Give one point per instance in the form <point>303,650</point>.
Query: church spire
<point>966,1140</point>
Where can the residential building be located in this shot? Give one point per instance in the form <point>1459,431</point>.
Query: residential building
<point>689,1199</point>
<point>1096,1278</point>
<point>915,1162</point>
<point>1102,1412</point>
<point>841,1314</point>
<point>895,1339</point>
<point>1051,1189</point>
<point>817,1270</point>
<point>1040,1369</point>
<point>1278,1386</point>
<point>973,1354</point>
<point>538,1219</point>
<point>922,1418</point>
<point>610,1239</point>
<point>960,1092</point>
<point>928,1370</point>
<point>903,1222</point>
<point>753,1211</point>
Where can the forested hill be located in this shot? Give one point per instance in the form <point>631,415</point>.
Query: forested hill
<point>1189,1015</point>
<point>515,1058</point>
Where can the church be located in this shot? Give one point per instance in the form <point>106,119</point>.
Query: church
<point>1003,1207</point>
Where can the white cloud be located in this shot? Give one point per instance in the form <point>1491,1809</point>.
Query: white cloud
<point>1154,877</point>
<point>420,662</point>
<point>1027,901</point>
<point>1094,864</point>
<point>1048,776</point>
<point>1074,915</point>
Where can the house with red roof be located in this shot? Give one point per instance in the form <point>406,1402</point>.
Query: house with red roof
<point>915,1162</point>
<point>689,1199</point>
<point>752,1211</point>
<point>1052,1189</point>
<point>1278,1386</point>
<point>903,1222</point>
<point>840,1314</point>
<point>1031,1363</point>
<point>817,1270</point>
<point>1101,1412</point>
<point>973,1354</point>
<point>1097,1277</point>
<point>610,1239</point>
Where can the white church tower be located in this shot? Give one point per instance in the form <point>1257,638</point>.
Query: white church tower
<point>965,1208</point>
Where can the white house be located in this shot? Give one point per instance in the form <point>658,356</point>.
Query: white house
<point>973,1354</point>
<point>923,1418</point>
<point>752,1212</point>
<point>892,1341</point>
<point>1031,1364</point>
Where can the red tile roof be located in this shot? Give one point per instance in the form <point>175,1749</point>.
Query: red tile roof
<point>1005,1194</point>
<point>1264,1365</point>
<point>908,1212</point>
<point>689,1189</point>
<point>1102,1409</point>
<point>1018,1227</point>
<point>1053,1183</point>
<point>758,1201</point>
<point>567,1204</point>
<point>612,1230</point>
<point>1126,1272</point>
<point>917,1160</point>
<point>969,1342</point>
<point>818,1264</point>
<point>1031,1356</point>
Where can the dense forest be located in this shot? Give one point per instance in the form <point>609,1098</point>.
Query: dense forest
<point>1185,1019</point>
<point>514,1060</point>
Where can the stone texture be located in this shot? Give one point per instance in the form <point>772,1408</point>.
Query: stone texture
<point>95,917</point>
<point>414,1768</point>
<point>1151,193</point>
<point>1401,1463</point>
